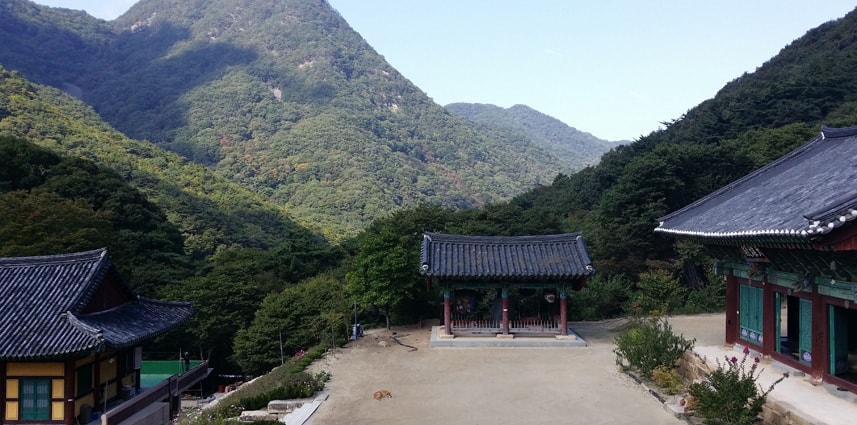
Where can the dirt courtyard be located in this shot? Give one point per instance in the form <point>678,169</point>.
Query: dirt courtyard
<point>473,386</point>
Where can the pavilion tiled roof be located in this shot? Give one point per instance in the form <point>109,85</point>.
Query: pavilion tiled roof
<point>42,298</point>
<point>560,256</point>
<point>802,195</point>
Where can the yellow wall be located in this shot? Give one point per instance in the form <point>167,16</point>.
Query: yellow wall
<point>89,399</point>
<point>83,361</point>
<point>11,388</point>
<point>11,410</point>
<point>35,369</point>
<point>57,388</point>
<point>108,368</point>
<point>57,411</point>
<point>111,391</point>
<point>128,379</point>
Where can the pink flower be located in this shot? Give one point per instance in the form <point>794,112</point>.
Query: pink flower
<point>734,360</point>
<point>746,350</point>
<point>756,360</point>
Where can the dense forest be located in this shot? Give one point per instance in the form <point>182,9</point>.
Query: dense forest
<point>547,132</point>
<point>282,97</point>
<point>180,229</point>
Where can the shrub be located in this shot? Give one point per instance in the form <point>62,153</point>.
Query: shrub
<point>601,298</point>
<point>668,378</point>
<point>259,392</point>
<point>657,292</point>
<point>707,299</point>
<point>730,394</point>
<point>299,385</point>
<point>651,343</point>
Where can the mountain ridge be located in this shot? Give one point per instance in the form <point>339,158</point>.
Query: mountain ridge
<point>566,142</point>
<point>211,212</point>
<point>284,98</point>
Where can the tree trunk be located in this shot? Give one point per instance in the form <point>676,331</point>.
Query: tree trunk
<point>387,316</point>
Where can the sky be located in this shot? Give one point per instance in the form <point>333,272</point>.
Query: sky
<point>613,68</point>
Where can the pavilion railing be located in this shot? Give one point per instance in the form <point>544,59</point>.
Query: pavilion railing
<point>169,388</point>
<point>468,323</point>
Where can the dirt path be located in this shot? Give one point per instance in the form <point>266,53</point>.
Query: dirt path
<point>487,385</point>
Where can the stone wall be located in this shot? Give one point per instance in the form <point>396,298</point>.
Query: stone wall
<point>693,367</point>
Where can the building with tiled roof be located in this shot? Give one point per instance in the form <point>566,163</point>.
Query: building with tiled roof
<point>470,267</point>
<point>785,238</point>
<point>71,335</point>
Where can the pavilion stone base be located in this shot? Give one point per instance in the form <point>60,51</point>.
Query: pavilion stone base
<point>571,337</point>
<point>438,339</point>
<point>506,336</point>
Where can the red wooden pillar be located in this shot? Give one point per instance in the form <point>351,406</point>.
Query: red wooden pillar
<point>447,313</point>
<point>769,318</point>
<point>563,313</point>
<point>505,314</point>
<point>820,345</point>
<point>731,309</point>
<point>68,392</point>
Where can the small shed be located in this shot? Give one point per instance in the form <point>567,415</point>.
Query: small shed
<point>468,266</point>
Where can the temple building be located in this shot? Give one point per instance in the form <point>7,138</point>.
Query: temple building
<point>785,238</point>
<point>70,342</point>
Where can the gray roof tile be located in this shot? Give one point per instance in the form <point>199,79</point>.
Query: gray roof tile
<point>41,299</point>
<point>805,193</point>
<point>560,256</point>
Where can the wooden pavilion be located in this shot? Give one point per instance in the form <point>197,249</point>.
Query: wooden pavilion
<point>785,238</point>
<point>466,267</point>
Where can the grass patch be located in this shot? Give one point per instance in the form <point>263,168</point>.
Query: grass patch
<point>284,382</point>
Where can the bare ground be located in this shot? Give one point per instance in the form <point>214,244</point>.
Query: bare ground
<point>474,386</point>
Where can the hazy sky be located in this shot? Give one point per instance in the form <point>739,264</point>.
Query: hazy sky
<point>615,69</point>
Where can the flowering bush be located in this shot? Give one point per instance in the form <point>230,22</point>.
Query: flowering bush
<point>730,394</point>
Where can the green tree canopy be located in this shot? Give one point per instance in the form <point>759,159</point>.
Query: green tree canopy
<point>302,314</point>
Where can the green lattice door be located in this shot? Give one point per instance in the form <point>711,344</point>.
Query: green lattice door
<point>750,313</point>
<point>35,399</point>
<point>838,340</point>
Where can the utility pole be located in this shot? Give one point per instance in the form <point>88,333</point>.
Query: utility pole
<point>282,358</point>
<point>354,329</point>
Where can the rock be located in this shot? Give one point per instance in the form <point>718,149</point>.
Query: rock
<point>284,406</point>
<point>383,343</point>
<point>257,415</point>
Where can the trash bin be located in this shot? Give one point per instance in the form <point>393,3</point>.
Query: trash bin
<point>85,413</point>
<point>128,392</point>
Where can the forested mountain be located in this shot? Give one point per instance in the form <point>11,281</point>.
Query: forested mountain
<point>210,212</point>
<point>751,121</point>
<point>51,204</point>
<point>282,97</point>
<point>574,148</point>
